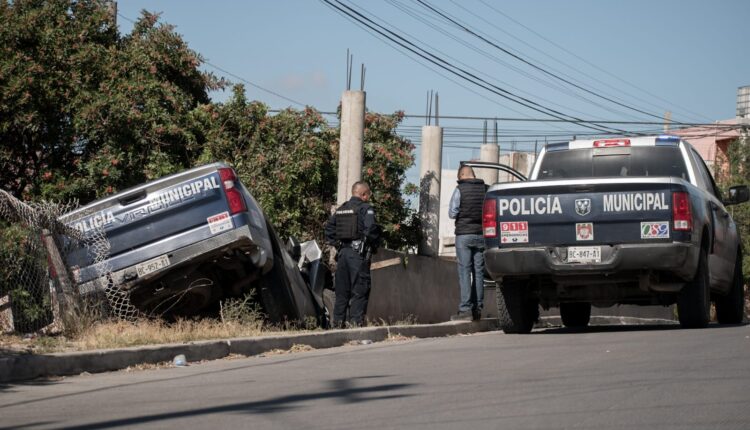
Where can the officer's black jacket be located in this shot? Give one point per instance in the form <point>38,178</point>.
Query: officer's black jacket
<point>366,225</point>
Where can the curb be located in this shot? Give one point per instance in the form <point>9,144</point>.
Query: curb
<point>29,366</point>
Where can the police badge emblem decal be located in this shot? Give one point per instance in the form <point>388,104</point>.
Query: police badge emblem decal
<point>583,206</point>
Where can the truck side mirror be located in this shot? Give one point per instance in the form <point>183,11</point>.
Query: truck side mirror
<point>737,194</point>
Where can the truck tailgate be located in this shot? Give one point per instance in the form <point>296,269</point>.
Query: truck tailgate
<point>571,213</point>
<point>193,201</point>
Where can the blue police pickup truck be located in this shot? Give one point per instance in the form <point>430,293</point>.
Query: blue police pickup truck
<point>614,221</point>
<point>179,244</point>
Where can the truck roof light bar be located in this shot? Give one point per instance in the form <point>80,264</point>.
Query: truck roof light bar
<point>667,140</point>
<point>604,143</point>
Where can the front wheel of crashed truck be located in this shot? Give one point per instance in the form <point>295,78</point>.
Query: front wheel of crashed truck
<point>517,310</point>
<point>730,309</point>
<point>693,302</point>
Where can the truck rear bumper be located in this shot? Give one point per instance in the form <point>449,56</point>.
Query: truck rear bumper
<point>237,238</point>
<point>677,258</point>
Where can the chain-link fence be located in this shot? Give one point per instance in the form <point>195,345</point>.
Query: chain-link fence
<point>37,289</point>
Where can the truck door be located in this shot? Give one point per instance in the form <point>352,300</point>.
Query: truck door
<point>724,245</point>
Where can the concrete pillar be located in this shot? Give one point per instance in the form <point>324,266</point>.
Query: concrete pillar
<point>351,143</point>
<point>502,176</point>
<point>521,163</point>
<point>488,152</point>
<point>429,196</point>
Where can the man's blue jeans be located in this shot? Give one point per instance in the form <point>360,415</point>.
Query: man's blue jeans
<point>469,251</point>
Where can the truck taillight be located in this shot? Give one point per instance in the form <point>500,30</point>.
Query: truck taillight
<point>234,196</point>
<point>489,218</point>
<point>611,142</point>
<point>681,215</point>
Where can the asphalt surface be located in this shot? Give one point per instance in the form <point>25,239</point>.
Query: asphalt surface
<point>632,377</point>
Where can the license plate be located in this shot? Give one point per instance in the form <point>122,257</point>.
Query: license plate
<point>584,254</point>
<point>152,265</point>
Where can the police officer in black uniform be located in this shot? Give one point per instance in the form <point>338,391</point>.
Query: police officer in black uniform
<point>354,233</point>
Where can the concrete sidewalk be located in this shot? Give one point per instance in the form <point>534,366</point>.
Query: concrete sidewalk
<point>26,366</point>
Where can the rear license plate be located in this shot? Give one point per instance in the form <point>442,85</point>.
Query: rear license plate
<point>584,254</point>
<point>152,265</point>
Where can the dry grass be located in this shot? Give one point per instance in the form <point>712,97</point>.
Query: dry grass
<point>120,334</point>
<point>297,347</point>
<point>146,332</point>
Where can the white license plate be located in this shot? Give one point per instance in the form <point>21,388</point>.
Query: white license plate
<point>152,265</point>
<point>584,254</point>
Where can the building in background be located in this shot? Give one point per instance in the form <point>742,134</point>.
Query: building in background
<point>712,142</point>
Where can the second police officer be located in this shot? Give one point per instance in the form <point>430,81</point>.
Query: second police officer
<point>354,233</point>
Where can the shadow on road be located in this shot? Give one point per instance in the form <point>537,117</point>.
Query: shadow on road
<point>342,390</point>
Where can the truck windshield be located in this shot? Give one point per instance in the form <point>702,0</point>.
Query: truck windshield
<point>613,162</point>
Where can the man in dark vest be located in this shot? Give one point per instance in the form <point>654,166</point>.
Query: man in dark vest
<point>466,208</point>
<point>354,233</point>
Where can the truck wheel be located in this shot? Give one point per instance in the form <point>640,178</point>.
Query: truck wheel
<point>516,310</point>
<point>693,302</point>
<point>730,309</point>
<point>575,315</point>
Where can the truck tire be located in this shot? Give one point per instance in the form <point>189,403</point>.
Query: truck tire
<point>516,310</point>
<point>575,315</point>
<point>730,309</point>
<point>693,302</point>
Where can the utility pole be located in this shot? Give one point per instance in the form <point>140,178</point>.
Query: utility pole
<point>430,169</point>
<point>489,152</point>
<point>351,142</point>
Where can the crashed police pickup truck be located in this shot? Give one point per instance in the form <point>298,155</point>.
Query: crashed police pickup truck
<point>614,221</point>
<point>179,244</point>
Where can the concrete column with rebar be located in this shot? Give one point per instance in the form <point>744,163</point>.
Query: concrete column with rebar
<point>489,152</point>
<point>351,143</point>
<point>429,196</point>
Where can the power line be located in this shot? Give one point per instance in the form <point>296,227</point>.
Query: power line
<point>550,84</point>
<point>461,73</point>
<point>588,62</point>
<point>581,72</point>
<point>491,43</point>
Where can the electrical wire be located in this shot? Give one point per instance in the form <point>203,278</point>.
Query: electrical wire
<point>461,73</point>
<point>519,58</point>
<point>590,63</point>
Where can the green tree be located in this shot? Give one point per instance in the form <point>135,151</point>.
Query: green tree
<point>736,172</point>
<point>85,112</point>
<point>289,162</point>
<point>387,156</point>
<point>283,159</point>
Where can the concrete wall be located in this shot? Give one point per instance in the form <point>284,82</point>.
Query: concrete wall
<point>425,290</point>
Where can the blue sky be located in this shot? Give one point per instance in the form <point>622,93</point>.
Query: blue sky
<point>687,57</point>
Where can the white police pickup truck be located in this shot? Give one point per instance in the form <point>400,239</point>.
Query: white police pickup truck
<point>614,221</point>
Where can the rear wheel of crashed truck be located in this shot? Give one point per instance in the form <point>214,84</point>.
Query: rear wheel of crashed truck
<point>730,309</point>
<point>517,310</point>
<point>693,302</point>
<point>575,315</point>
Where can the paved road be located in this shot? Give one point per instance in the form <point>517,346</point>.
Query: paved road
<point>603,378</point>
